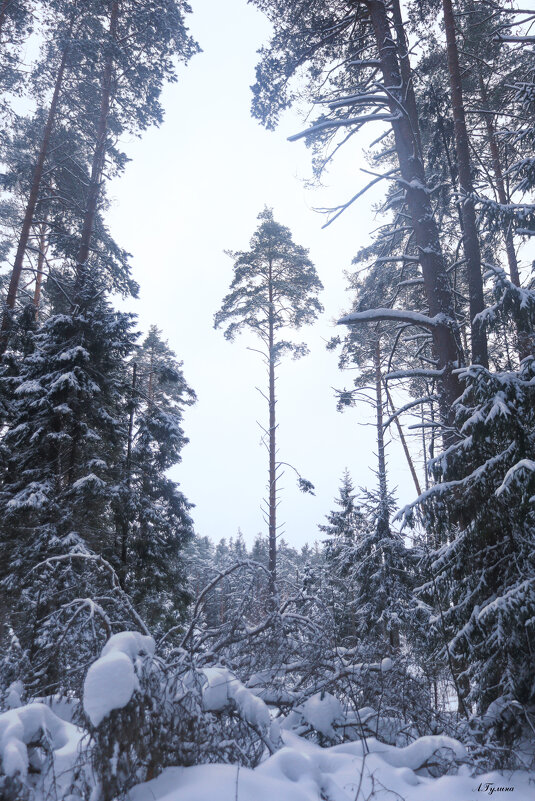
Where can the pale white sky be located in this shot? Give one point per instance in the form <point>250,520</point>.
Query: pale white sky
<point>194,188</point>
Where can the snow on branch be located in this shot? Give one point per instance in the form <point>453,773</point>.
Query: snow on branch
<point>111,680</point>
<point>396,315</point>
<point>416,373</point>
<point>523,466</point>
<point>100,562</point>
<point>326,124</point>
<point>24,726</point>
<point>417,402</point>
<point>515,39</point>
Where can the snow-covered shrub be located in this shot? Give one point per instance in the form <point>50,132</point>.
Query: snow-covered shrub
<point>290,658</point>
<point>146,713</point>
<point>39,752</point>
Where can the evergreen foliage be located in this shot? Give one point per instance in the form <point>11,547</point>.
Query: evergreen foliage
<point>168,649</point>
<point>275,288</point>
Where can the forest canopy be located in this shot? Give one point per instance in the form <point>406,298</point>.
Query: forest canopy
<point>142,659</point>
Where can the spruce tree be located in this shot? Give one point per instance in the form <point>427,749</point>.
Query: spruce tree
<point>152,513</point>
<point>479,517</point>
<point>343,527</point>
<point>61,454</point>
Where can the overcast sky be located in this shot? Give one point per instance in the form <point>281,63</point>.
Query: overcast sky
<point>194,188</point>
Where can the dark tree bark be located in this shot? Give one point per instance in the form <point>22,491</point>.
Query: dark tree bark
<point>470,232</point>
<point>446,340</point>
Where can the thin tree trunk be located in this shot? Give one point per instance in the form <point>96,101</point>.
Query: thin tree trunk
<point>383,522</point>
<point>99,154</point>
<point>470,232</point>
<point>32,202</point>
<point>272,540</point>
<point>40,269</point>
<point>451,168</point>
<point>524,338</point>
<point>128,469</point>
<point>500,187</point>
<point>150,391</point>
<point>403,441</point>
<point>446,341</point>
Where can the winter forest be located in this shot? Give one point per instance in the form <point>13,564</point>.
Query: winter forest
<point>331,266</point>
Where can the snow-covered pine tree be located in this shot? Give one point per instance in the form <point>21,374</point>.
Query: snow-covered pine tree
<point>15,26</point>
<point>274,289</point>
<point>104,69</point>
<point>490,68</point>
<point>357,70</point>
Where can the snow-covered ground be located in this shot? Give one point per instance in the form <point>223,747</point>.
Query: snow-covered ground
<point>299,771</point>
<point>41,747</point>
<point>302,771</point>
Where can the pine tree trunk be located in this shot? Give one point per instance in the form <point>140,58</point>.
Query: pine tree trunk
<point>403,441</point>
<point>32,202</point>
<point>446,341</point>
<point>383,522</point>
<point>470,232</point>
<point>406,75</point>
<point>99,154</point>
<point>40,269</point>
<point>272,541</point>
<point>125,523</point>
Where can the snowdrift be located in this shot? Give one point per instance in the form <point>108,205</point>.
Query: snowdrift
<point>303,771</point>
<point>42,751</point>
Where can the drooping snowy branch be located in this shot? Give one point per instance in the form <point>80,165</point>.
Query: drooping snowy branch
<point>396,315</point>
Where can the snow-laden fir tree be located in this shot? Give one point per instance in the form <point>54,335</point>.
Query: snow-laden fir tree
<point>152,513</point>
<point>480,518</point>
<point>343,526</point>
<point>61,464</point>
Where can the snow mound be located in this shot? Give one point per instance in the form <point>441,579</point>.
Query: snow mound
<point>111,680</point>
<point>322,710</point>
<point>303,771</point>
<point>28,724</point>
<point>13,695</point>
<point>223,689</point>
<point>217,783</point>
<point>418,753</point>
